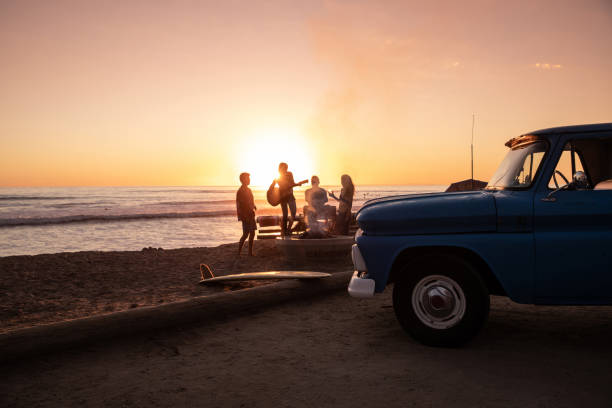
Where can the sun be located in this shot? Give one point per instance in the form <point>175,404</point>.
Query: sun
<point>264,149</point>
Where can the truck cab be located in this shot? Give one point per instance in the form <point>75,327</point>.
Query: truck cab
<point>540,233</point>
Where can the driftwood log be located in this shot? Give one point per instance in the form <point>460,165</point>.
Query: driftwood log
<point>201,310</point>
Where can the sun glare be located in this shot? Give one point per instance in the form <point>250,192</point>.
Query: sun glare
<point>263,150</point>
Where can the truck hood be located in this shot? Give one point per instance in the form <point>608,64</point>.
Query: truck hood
<point>438,213</point>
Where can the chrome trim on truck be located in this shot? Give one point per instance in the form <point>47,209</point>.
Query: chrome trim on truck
<point>358,260</point>
<point>361,287</point>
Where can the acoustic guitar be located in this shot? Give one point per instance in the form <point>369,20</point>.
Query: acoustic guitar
<point>273,194</point>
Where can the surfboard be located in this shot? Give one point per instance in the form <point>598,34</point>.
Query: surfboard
<point>266,275</point>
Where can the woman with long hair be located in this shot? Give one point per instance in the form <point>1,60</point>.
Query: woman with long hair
<point>343,219</point>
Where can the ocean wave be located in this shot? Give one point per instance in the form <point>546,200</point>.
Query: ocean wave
<point>77,204</point>
<point>20,198</point>
<point>187,190</point>
<point>194,202</point>
<point>231,202</point>
<point>217,191</point>
<point>18,222</point>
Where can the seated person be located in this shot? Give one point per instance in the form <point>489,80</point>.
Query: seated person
<point>316,197</point>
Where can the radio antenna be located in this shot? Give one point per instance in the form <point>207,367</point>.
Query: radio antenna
<point>472,153</point>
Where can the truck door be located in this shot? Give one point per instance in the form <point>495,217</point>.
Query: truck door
<point>573,227</point>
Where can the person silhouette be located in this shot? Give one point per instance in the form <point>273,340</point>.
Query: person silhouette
<point>245,209</point>
<point>316,197</point>
<point>343,219</point>
<point>286,183</point>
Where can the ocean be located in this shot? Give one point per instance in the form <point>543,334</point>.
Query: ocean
<point>40,220</point>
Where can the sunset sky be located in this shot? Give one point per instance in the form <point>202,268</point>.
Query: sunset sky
<point>195,92</point>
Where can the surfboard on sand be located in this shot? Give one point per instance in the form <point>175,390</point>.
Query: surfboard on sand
<point>265,275</point>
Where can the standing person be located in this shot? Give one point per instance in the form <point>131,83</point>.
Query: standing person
<point>343,219</point>
<point>245,207</point>
<point>287,200</point>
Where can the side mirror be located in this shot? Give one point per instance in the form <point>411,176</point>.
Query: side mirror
<point>580,180</point>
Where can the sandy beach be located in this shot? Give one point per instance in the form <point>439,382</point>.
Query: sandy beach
<point>334,351</point>
<point>327,351</point>
<point>452,149</point>
<point>54,287</point>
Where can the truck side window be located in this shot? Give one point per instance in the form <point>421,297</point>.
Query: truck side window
<point>564,165</point>
<point>596,155</point>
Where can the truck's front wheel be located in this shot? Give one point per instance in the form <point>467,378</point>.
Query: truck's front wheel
<point>442,303</point>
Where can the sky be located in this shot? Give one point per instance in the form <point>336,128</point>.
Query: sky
<point>195,92</point>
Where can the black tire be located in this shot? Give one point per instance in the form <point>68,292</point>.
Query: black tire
<point>468,296</point>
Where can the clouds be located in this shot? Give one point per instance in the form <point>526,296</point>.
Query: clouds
<point>407,76</point>
<point>545,66</point>
<point>393,83</point>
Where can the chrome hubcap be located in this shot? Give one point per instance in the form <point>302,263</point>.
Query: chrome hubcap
<point>438,301</point>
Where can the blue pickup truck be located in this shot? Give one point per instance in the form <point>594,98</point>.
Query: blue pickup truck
<point>540,233</point>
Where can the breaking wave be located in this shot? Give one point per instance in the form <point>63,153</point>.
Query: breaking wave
<point>26,198</point>
<point>17,222</point>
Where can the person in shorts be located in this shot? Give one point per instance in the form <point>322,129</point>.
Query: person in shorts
<point>245,207</point>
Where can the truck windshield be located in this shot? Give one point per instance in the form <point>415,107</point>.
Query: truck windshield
<point>520,166</point>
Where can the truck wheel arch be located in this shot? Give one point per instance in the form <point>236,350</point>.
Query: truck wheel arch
<point>415,254</point>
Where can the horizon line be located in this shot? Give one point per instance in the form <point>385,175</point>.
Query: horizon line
<point>208,185</point>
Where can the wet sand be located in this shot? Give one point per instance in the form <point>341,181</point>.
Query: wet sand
<point>49,288</point>
<point>330,351</point>
<point>334,351</point>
